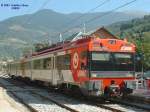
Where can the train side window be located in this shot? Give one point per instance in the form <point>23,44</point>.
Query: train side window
<point>67,59</point>
<point>16,66</point>
<point>63,62</point>
<point>27,65</point>
<point>13,66</point>
<point>37,64</point>
<point>47,63</point>
<point>30,65</point>
<point>9,67</point>
<point>59,62</point>
<point>20,66</point>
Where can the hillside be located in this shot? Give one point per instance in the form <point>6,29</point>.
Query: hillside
<point>19,33</point>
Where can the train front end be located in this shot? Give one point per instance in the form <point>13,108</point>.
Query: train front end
<point>110,66</point>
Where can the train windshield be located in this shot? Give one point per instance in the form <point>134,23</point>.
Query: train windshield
<point>106,61</point>
<point>123,61</point>
<point>121,58</point>
<point>100,56</point>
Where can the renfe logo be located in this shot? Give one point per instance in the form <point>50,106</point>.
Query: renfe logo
<point>75,60</point>
<point>126,48</point>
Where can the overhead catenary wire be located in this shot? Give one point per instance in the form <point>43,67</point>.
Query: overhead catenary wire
<point>83,15</point>
<point>95,18</point>
<point>105,14</point>
<point>42,6</point>
<point>33,16</point>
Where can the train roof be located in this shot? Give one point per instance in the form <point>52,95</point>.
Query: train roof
<point>101,33</point>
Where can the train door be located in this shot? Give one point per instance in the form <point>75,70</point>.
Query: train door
<point>31,69</point>
<point>54,80</point>
<point>22,67</point>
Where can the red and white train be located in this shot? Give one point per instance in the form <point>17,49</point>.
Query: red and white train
<point>96,66</point>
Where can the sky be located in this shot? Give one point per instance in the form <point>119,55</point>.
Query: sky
<point>9,9</point>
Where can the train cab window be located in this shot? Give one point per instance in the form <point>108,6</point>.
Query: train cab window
<point>47,63</point>
<point>100,56</point>
<point>101,61</point>
<point>123,58</point>
<point>124,61</point>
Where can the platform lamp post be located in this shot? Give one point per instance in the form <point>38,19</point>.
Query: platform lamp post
<point>140,34</point>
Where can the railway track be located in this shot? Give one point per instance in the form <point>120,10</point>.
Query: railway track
<point>27,105</point>
<point>50,97</point>
<point>115,106</point>
<point>19,99</point>
<point>34,93</point>
<point>131,104</point>
<point>98,105</point>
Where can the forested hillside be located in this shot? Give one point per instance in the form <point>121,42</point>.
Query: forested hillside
<point>137,31</point>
